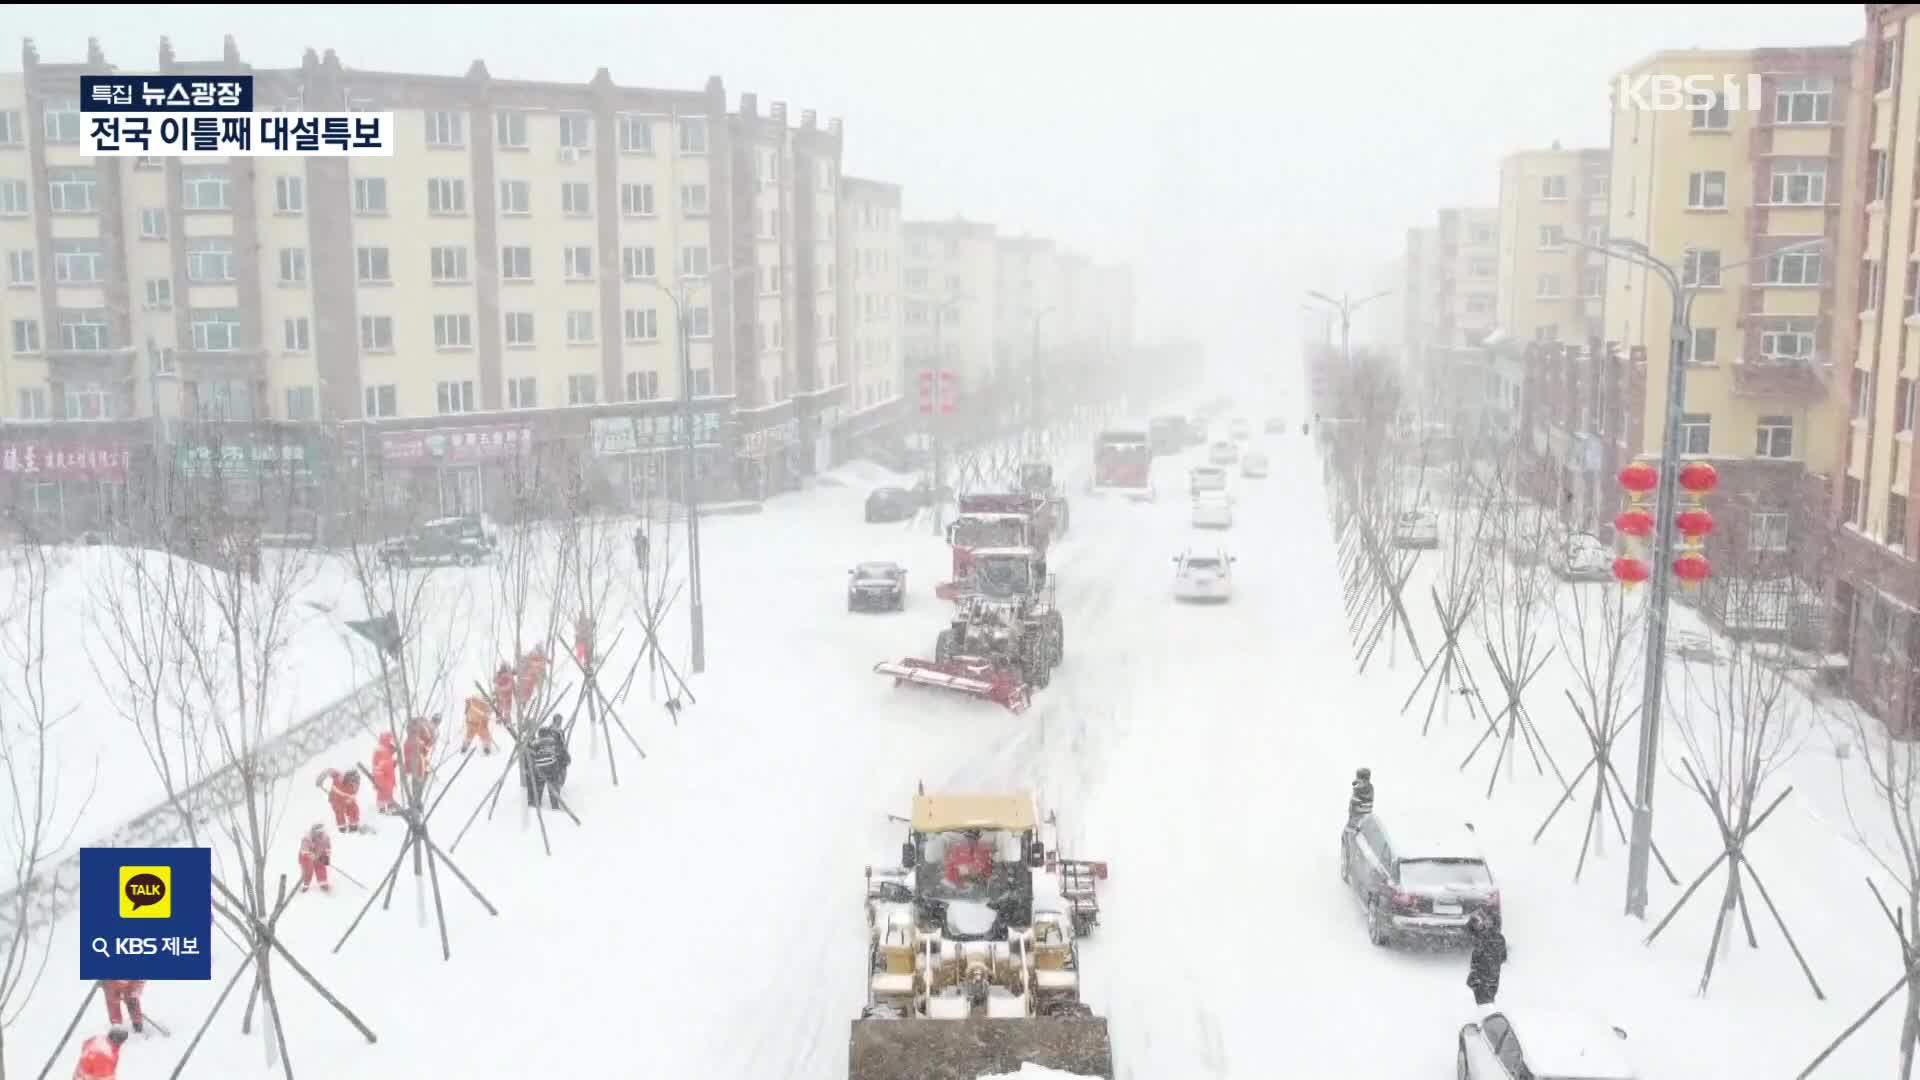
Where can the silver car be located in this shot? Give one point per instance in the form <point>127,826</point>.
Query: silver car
<point>1420,881</point>
<point>1542,1044</point>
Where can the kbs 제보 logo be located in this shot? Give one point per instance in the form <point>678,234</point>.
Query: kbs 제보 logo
<point>146,892</point>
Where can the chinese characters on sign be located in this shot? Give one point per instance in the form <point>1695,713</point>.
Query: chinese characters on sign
<point>234,460</point>
<point>475,446</point>
<point>41,460</point>
<point>613,435</point>
<point>779,436</point>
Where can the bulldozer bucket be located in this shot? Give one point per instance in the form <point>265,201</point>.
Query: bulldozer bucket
<point>973,679</point>
<point>920,1049</point>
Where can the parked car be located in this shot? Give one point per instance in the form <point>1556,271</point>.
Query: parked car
<point>877,586</point>
<point>1223,453</point>
<point>1582,557</point>
<point>1240,429</point>
<point>1417,529</point>
<point>462,541</point>
<point>1203,576</point>
<point>1212,510</point>
<point>1276,425</point>
<point>1542,1044</point>
<point>892,504</point>
<point>1419,880</point>
<point>1253,465</point>
<point>1206,478</point>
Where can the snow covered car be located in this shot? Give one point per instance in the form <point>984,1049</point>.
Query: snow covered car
<point>877,586</point>
<point>1418,881</point>
<point>1223,453</point>
<point>891,504</point>
<point>462,541</point>
<point>1542,1044</point>
<point>1212,510</point>
<point>1206,478</point>
<point>1417,529</point>
<point>1582,557</point>
<point>1254,465</point>
<point>1202,576</point>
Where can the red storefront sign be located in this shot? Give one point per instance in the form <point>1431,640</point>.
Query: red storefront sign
<point>46,460</point>
<point>470,446</point>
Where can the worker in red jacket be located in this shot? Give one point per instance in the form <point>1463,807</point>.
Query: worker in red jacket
<point>583,640</point>
<point>316,852</point>
<point>343,794</point>
<point>100,1056</point>
<point>533,672</point>
<point>419,748</point>
<point>385,771</point>
<point>125,992</point>
<point>503,685</point>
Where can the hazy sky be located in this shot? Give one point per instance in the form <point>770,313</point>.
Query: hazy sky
<point>1234,156</point>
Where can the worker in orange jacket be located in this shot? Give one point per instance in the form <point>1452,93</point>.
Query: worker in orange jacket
<point>125,992</point>
<point>100,1055</point>
<point>479,725</point>
<point>385,772</point>
<point>419,748</point>
<point>583,640</point>
<point>316,853</point>
<point>503,685</point>
<point>533,672</point>
<point>343,794</point>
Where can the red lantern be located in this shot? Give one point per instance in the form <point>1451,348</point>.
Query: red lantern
<point>1693,523</point>
<point>1640,477</point>
<point>1634,522</point>
<point>1698,477</point>
<point>1629,570</point>
<point>1691,568</point>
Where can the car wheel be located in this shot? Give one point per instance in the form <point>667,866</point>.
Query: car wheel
<point>1461,1070</point>
<point>1376,923</point>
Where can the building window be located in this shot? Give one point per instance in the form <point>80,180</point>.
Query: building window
<point>702,382</point>
<point>520,328</point>
<point>516,263</point>
<point>1696,433</point>
<point>209,259</point>
<point>77,265</point>
<point>640,324</point>
<point>13,197</point>
<point>289,194</point>
<point>515,197</point>
<point>1802,100</point>
<point>454,396</point>
<point>453,331</point>
<point>374,266</point>
<point>300,403</point>
<point>1707,190</point>
<point>1482,268</point>
<point>216,329</point>
<point>153,222</point>
<point>83,330</point>
<point>643,385</point>
<point>1701,269</point>
<point>693,260</point>
<point>1547,287</point>
<point>71,191</point>
<point>293,266</point>
<point>1793,268</point>
<point>12,132</point>
<point>1477,304</point>
<point>88,401</point>
<point>298,335</point>
<point>1862,393</point>
<point>579,263</point>
<point>62,120</point>
<point>693,199</point>
<point>1886,63</point>
<point>579,327</point>
<point>1480,236</point>
<point>576,198</point>
<point>205,188</point>
<point>1798,181</point>
<point>1709,113</point>
<point>693,135</point>
<point>1877,166</point>
<point>1767,530</point>
<point>376,333</point>
<point>510,130</point>
<point>370,195</point>
<point>582,389</point>
<point>449,264</point>
<point>382,401</point>
<point>446,195</point>
<point>523,393</point>
<point>1773,437</point>
<point>1701,348</point>
<point>636,135</point>
<point>697,324</point>
<point>636,263</point>
<point>576,131</point>
<point>20,269</point>
<point>1787,341</point>
<point>636,200</point>
<point>447,129</point>
<point>33,402</point>
<point>1553,187</point>
<point>26,336</point>
<point>1903,406</point>
<point>159,292</point>
<point>1592,280</point>
<point>1871,284</point>
<point>159,360</point>
<point>1850,500</point>
<point>1896,520</point>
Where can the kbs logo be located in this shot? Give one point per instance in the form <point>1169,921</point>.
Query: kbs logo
<point>1675,93</point>
<point>146,892</point>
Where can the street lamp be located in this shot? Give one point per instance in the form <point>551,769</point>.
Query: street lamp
<point>1345,307</point>
<point>1680,335</point>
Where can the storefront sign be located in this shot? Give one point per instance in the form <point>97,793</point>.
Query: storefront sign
<point>232,460</point>
<point>43,460</point>
<point>778,437</point>
<point>471,446</point>
<point>615,435</point>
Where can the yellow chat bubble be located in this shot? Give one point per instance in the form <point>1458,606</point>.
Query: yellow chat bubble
<point>146,892</point>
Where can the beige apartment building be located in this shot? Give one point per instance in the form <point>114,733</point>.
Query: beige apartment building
<point>1704,190</point>
<point>1548,288</point>
<point>950,288</point>
<point>1876,529</point>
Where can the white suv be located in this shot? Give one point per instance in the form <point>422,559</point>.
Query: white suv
<point>1203,576</point>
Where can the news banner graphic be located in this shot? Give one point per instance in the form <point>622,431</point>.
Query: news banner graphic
<point>146,913</point>
<point>214,116</point>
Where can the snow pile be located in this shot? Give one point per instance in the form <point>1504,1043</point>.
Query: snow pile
<point>1030,1071</point>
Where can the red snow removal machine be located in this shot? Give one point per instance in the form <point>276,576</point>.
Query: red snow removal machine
<point>1005,640</point>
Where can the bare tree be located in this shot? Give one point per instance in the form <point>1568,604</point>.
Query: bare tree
<point>591,551</point>
<point>1449,486</point>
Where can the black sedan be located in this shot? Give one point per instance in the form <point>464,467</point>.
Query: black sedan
<point>877,586</point>
<point>891,504</point>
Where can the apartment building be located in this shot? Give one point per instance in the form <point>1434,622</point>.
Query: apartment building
<point>1549,289</point>
<point>1876,528</point>
<point>872,250</point>
<point>1717,191</point>
<point>950,287</point>
<point>1467,275</point>
<point>1031,313</point>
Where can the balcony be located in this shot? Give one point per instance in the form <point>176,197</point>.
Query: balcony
<point>1781,380</point>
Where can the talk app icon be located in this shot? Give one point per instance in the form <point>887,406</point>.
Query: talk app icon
<point>146,892</point>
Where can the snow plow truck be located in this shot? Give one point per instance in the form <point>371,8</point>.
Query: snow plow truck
<point>998,520</point>
<point>1123,463</point>
<point>1005,640</point>
<point>973,958</point>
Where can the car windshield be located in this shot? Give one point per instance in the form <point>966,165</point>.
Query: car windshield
<point>1441,874</point>
<point>989,532</point>
<point>1203,564</point>
<point>965,864</point>
<point>877,570</point>
<point>1003,576</point>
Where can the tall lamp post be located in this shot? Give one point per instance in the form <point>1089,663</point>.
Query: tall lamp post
<point>1653,681</point>
<point>1345,307</point>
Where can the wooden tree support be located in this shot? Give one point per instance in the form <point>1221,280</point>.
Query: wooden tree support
<point>1450,662</point>
<point>1515,682</point>
<point>1910,1028</point>
<point>427,857</point>
<point>1607,788</point>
